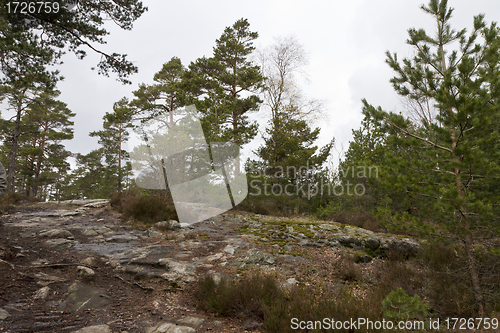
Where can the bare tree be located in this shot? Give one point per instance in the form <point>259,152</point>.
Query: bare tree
<point>421,111</point>
<point>281,62</point>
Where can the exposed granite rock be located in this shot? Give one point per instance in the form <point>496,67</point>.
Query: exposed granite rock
<point>95,329</point>
<point>90,203</point>
<point>97,230</point>
<point>82,296</point>
<point>152,232</point>
<point>168,225</point>
<point>122,238</point>
<point>179,272</point>
<point>41,293</point>
<point>56,233</point>
<point>85,273</point>
<point>165,327</point>
<point>3,314</point>
<point>60,242</point>
<point>191,321</point>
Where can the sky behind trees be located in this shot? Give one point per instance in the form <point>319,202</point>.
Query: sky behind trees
<point>345,42</point>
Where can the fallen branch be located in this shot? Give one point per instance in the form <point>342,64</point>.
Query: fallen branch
<point>8,263</point>
<point>135,284</point>
<point>56,265</point>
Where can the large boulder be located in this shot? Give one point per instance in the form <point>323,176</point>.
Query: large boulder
<point>405,246</point>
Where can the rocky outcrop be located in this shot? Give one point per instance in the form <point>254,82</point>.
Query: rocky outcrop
<point>89,203</point>
<point>3,314</point>
<point>175,255</point>
<point>56,233</point>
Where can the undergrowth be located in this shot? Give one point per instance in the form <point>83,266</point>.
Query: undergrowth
<point>8,200</point>
<point>434,284</point>
<point>146,206</point>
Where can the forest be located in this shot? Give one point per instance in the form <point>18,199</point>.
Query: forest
<point>430,172</point>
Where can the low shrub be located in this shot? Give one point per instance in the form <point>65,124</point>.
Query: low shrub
<point>244,298</point>
<point>355,216</point>
<point>147,207</point>
<point>8,200</point>
<point>448,285</point>
<point>346,270</point>
<point>259,297</point>
<point>399,306</point>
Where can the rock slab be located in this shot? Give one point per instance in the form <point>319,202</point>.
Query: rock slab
<point>94,329</point>
<point>165,327</point>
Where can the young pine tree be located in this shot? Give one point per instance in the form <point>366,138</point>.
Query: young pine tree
<point>451,164</point>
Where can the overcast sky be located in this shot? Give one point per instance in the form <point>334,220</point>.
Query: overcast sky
<point>345,41</point>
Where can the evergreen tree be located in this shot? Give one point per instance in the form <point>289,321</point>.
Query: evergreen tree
<point>40,36</point>
<point>112,139</point>
<point>218,83</point>
<point>163,97</point>
<point>89,179</point>
<point>289,146</point>
<point>56,169</point>
<point>47,124</point>
<point>449,165</point>
<point>22,88</point>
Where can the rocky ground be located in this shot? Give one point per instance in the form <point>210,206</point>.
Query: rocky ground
<point>77,267</point>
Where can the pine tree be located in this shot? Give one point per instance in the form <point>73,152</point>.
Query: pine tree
<point>218,83</point>
<point>450,163</point>
<point>164,97</point>
<point>60,26</point>
<point>112,139</point>
<point>46,123</point>
<point>56,169</point>
<point>289,146</point>
<point>89,179</point>
<point>22,88</point>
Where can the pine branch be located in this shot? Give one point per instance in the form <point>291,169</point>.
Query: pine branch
<point>422,139</point>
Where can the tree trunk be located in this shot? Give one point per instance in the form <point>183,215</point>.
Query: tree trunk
<point>468,240</point>
<point>13,151</point>
<point>474,274</point>
<point>235,138</point>
<point>38,168</point>
<point>120,164</point>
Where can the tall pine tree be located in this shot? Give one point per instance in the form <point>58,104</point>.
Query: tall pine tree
<point>226,85</point>
<point>112,139</point>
